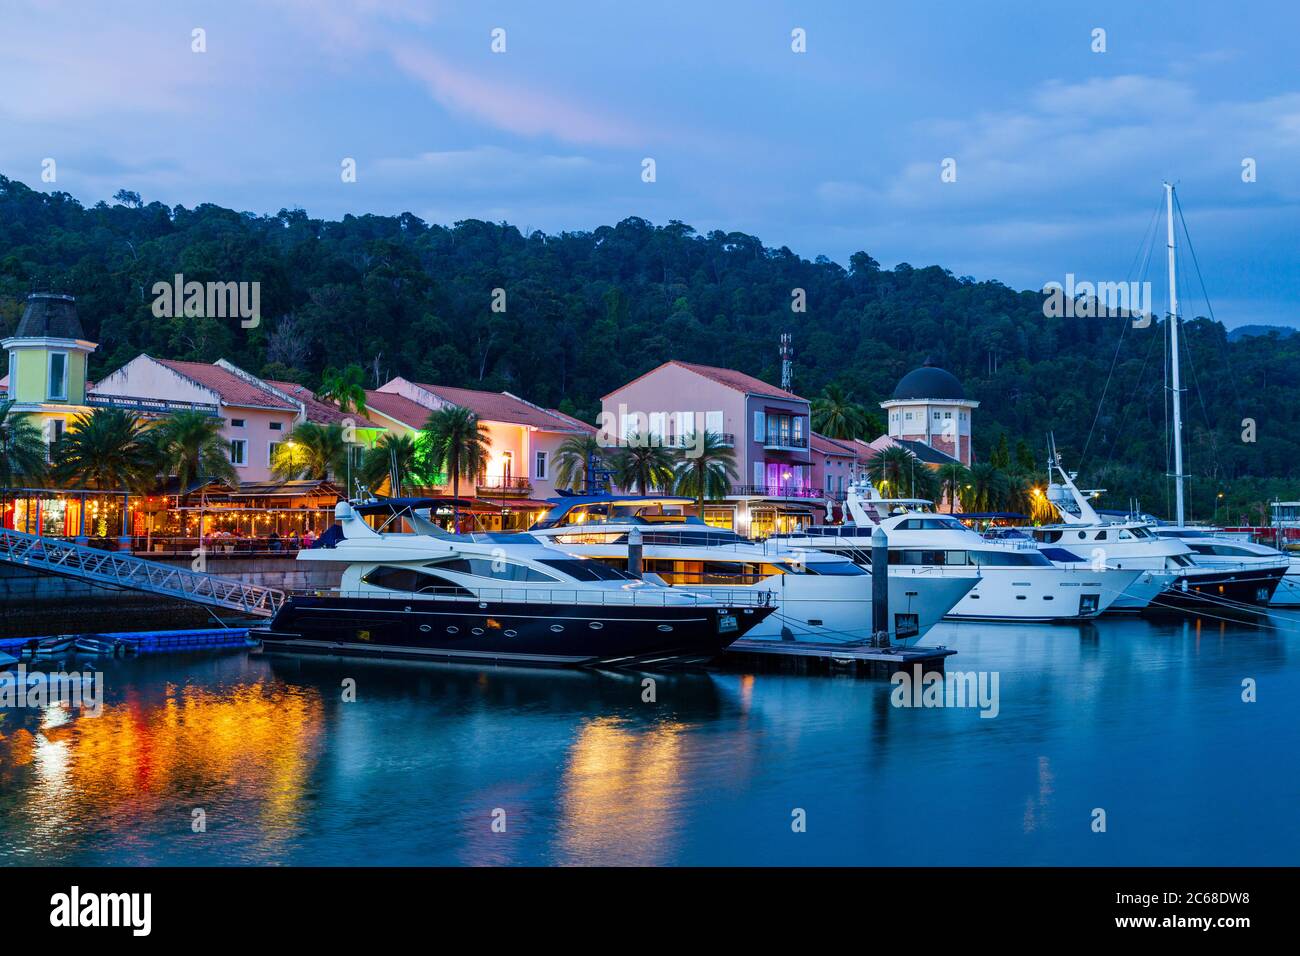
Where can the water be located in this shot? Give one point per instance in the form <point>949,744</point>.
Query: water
<point>1143,720</point>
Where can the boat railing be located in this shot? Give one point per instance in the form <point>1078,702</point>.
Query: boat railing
<point>647,597</point>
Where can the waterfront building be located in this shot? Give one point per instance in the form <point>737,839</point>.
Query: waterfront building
<point>523,437</point>
<point>930,407</point>
<point>257,415</point>
<point>768,427</point>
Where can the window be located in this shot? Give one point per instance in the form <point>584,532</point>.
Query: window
<point>947,414</point>
<point>413,581</point>
<point>499,570</point>
<point>583,570</point>
<point>236,423</point>
<point>713,422</point>
<point>760,426</point>
<point>277,426</point>
<point>58,375</point>
<point>540,470</point>
<point>238,451</point>
<point>13,374</point>
<point>908,416</point>
<point>936,416</point>
<point>270,452</point>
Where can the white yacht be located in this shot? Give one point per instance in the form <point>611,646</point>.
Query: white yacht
<point>410,590</point>
<point>1254,574</point>
<point>1181,577</point>
<point>1013,580</point>
<point>823,598</point>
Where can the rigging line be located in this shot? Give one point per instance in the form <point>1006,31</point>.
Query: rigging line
<point>1227,355</point>
<point>1146,360</point>
<point>1146,245</point>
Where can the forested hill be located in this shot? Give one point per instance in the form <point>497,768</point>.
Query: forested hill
<point>587,311</point>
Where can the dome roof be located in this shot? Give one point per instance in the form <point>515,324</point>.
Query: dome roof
<point>929,382</point>
<point>50,316</point>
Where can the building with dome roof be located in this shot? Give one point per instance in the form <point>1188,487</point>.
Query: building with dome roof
<point>930,407</point>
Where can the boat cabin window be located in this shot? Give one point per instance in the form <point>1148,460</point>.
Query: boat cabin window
<point>930,524</point>
<point>413,581</point>
<point>927,556</point>
<point>1009,559</point>
<point>1048,536</point>
<point>494,568</point>
<point>581,569</point>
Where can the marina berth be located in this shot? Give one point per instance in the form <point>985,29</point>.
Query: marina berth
<point>412,591</point>
<point>1010,579</point>
<point>819,597</point>
<point>1193,566</point>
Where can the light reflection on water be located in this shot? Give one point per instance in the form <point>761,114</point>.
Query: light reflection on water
<point>1144,720</point>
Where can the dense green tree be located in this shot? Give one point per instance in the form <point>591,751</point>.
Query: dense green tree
<point>643,465</point>
<point>458,445</point>
<point>706,472</point>
<point>108,450</point>
<point>22,449</point>
<point>190,446</point>
<point>313,451</point>
<point>836,414</point>
<point>575,457</point>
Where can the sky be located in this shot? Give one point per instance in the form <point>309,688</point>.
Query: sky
<point>1059,148</point>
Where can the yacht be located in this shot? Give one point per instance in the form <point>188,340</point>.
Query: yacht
<point>411,590</point>
<point>1013,580</point>
<point>1253,574</point>
<point>822,598</point>
<point>1185,576</point>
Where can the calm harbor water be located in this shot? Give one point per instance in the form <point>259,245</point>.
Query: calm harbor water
<point>1142,719</point>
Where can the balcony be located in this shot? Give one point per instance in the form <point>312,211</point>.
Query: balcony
<point>148,406</point>
<point>497,485</point>
<point>725,439</point>
<point>783,440</point>
<point>791,492</point>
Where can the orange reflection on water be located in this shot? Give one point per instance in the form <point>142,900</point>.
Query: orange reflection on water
<point>197,747</point>
<point>620,791</point>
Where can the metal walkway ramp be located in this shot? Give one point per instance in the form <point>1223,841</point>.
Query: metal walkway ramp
<point>110,569</point>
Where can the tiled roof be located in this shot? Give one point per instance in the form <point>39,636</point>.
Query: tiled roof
<point>575,422</point>
<point>501,407</point>
<point>322,413</point>
<point>730,378</point>
<point>397,407</point>
<point>923,452</point>
<point>829,446</point>
<point>232,389</point>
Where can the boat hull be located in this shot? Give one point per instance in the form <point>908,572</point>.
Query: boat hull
<point>1043,594</point>
<point>1238,589</point>
<point>575,635</point>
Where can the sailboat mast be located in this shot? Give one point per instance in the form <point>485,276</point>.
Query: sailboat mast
<point>1173,358</point>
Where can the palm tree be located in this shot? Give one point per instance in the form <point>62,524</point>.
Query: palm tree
<point>836,414</point>
<point>347,388</point>
<point>22,450</point>
<point>399,458</point>
<point>644,464</point>
<point>899,473</point>
<point>311,451</point>
<point>190,445</point>
<point>707,473</point>
<point>953,478</point>
<point>107,450</point>
<point>575,459</point>
<point>987,490</point>
<point>458,444</point>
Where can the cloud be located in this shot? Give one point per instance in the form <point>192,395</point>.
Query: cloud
<point>510,107</point>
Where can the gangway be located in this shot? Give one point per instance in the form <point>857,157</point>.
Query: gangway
<point>112,569</point>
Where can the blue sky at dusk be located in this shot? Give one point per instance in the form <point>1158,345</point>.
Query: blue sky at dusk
<point>1060,151</point>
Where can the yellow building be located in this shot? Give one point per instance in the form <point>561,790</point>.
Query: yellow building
<point>47,363</point>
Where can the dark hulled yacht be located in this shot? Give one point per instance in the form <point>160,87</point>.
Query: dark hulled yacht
<point>425,594</point>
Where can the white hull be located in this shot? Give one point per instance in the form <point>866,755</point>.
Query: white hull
<point>1045,594</point>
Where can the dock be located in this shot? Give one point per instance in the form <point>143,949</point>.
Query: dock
<point>155,642</point>
<point>813,658</point>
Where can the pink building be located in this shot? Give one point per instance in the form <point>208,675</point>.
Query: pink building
<point>256,414</point>
<point>778,486</point>
<point>524,437</point>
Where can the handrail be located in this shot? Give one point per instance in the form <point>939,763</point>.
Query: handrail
<point>647,597</point>
<point>122,570</point>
